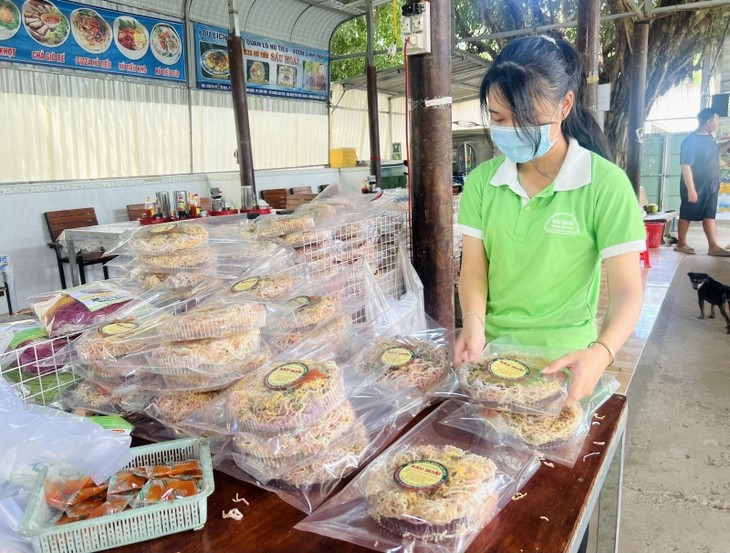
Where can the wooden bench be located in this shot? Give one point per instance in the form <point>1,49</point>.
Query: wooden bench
<point>293,201</point>
<point>276,197</point>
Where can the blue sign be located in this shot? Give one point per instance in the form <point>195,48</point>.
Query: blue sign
<point>272,67</point>
<point>76,36</point>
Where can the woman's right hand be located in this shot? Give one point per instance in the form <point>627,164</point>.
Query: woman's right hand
<point>470,342</point>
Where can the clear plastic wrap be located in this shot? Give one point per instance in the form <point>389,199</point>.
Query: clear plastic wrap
<point>559,438</point>
<point>215,319</point>
<point>189,260</point>
<point>433,490</point>
<point>163,239</point>
<point>118,338</point>
<point>508,377</point>
<point>273,226</point>
<point>209,355</point>
<point>420,360</point>
<point>76,309</point>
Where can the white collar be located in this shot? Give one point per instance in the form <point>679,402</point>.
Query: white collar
<point>574,173</point>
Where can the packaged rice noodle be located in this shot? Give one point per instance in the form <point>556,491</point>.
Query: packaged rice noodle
<point>162,239</point>
<point>215,319</point>
<point>150,378</point>
<point>559,438</point>
<point>305,310</point>
<point>305,464</point>
<point>118,338</point>
<point>321,238</point>
<point>356,232</point>
<point>273,226</point>
<point>508,377</point>
<point>345,198</point>
<point>433,490</point>
<point>75,309</point>
<point>209,355</point>
<point>420,360</point>
<point>92,397</point>
<point>176,281</point>
<point>335,331</point>
<point>172,408</point>
<point>263,285</point>
<point>25,344</point>
<point>235,257</point>
<point>352,253</point>
<point>285,396</point>
<point>182,261</point>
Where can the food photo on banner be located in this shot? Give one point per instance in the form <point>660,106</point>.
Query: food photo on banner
<point>69,35</point>
<point>272,67</point>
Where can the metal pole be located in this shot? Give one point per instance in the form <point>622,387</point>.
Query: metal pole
<point>240,104</point>
<point>640,47</point>
<point>589,14</point>
<point>429,166</point>
<point>372,80</point>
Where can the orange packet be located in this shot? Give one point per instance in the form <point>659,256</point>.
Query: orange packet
<point>60,493</point>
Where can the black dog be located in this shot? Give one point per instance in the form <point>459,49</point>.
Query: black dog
<point>712,292</point>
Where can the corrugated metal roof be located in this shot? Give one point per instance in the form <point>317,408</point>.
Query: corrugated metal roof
<point>467,72</point>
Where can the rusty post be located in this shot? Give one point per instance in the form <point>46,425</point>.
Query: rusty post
<point>640,47</point>
<point>240,104</point>
<point>587,43</point>
<point>373,116</point>
<point>429,166</point>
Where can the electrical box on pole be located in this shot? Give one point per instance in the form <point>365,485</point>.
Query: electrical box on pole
<point>416,27</point>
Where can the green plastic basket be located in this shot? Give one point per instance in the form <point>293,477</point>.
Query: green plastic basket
<point>130,526</point>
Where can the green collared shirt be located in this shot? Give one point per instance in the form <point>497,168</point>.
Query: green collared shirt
<point>544,252</point>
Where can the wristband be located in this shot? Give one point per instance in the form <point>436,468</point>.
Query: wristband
<point>608,349</point>
<point>473,314</point>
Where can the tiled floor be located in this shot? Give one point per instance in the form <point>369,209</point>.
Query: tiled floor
<point>664,262</point>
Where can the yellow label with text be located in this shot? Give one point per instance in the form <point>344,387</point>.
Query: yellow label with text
<point>509,369</point>
<point>246,284</point>
<point>114,329</point>
<point>301,301</point>
<point>397,356</point>
<point>421,475</point>
<point>286,375</point>
<point>160,229</point>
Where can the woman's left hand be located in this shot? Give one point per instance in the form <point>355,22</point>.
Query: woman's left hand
<point>587,366</point>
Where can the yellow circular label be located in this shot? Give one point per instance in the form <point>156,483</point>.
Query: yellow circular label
<point>397,356</point>
<point>114,329</point>
<point>421,475</point>
<point>301,301</point>
<point>286,375</point>
<point>159,229</point>
<point>509,369</point>
<point>246,284</point>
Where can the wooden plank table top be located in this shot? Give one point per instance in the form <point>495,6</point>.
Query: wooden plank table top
<point>550,518</point>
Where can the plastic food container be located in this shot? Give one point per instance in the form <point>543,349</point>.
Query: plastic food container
<point>129,526</point>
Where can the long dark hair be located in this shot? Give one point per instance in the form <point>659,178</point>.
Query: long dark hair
<point>539,69</point>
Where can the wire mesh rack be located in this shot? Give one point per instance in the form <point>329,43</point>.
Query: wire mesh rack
<point>37,372</point>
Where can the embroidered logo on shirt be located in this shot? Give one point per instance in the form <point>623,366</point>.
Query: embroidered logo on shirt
<point>562,223</point>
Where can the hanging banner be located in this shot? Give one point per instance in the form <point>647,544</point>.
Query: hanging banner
<point>272,67</point>
<point>76,36</point>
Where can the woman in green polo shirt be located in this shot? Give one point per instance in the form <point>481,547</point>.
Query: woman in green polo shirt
<point>538,221</point>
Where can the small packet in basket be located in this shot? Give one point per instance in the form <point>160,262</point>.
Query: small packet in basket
<point>509,377</point>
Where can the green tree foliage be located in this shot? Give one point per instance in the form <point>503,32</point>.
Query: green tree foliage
<point>351,38</point>
<point>678,42</point>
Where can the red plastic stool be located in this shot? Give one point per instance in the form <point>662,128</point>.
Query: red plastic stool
<point>644,257</point>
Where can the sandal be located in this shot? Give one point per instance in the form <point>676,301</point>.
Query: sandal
<point>685,249</point>
<point>720,253</point>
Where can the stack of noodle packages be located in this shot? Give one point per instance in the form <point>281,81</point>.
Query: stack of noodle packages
<point>302,422</point>
<point>206,348</point>
<point>558,438</point>
<point>433,490</point>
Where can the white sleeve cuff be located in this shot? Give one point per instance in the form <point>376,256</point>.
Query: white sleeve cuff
<point>469,231</point>
<point>626,247</point>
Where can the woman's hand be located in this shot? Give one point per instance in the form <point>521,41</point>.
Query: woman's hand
<point>470,343</point>
<point>587,366</point>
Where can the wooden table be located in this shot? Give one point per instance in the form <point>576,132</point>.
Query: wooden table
<point>565,497</point>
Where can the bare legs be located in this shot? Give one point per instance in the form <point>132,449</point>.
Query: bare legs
<point>710,228</point>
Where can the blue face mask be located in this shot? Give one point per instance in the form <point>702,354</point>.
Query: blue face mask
<point>514,146</point>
